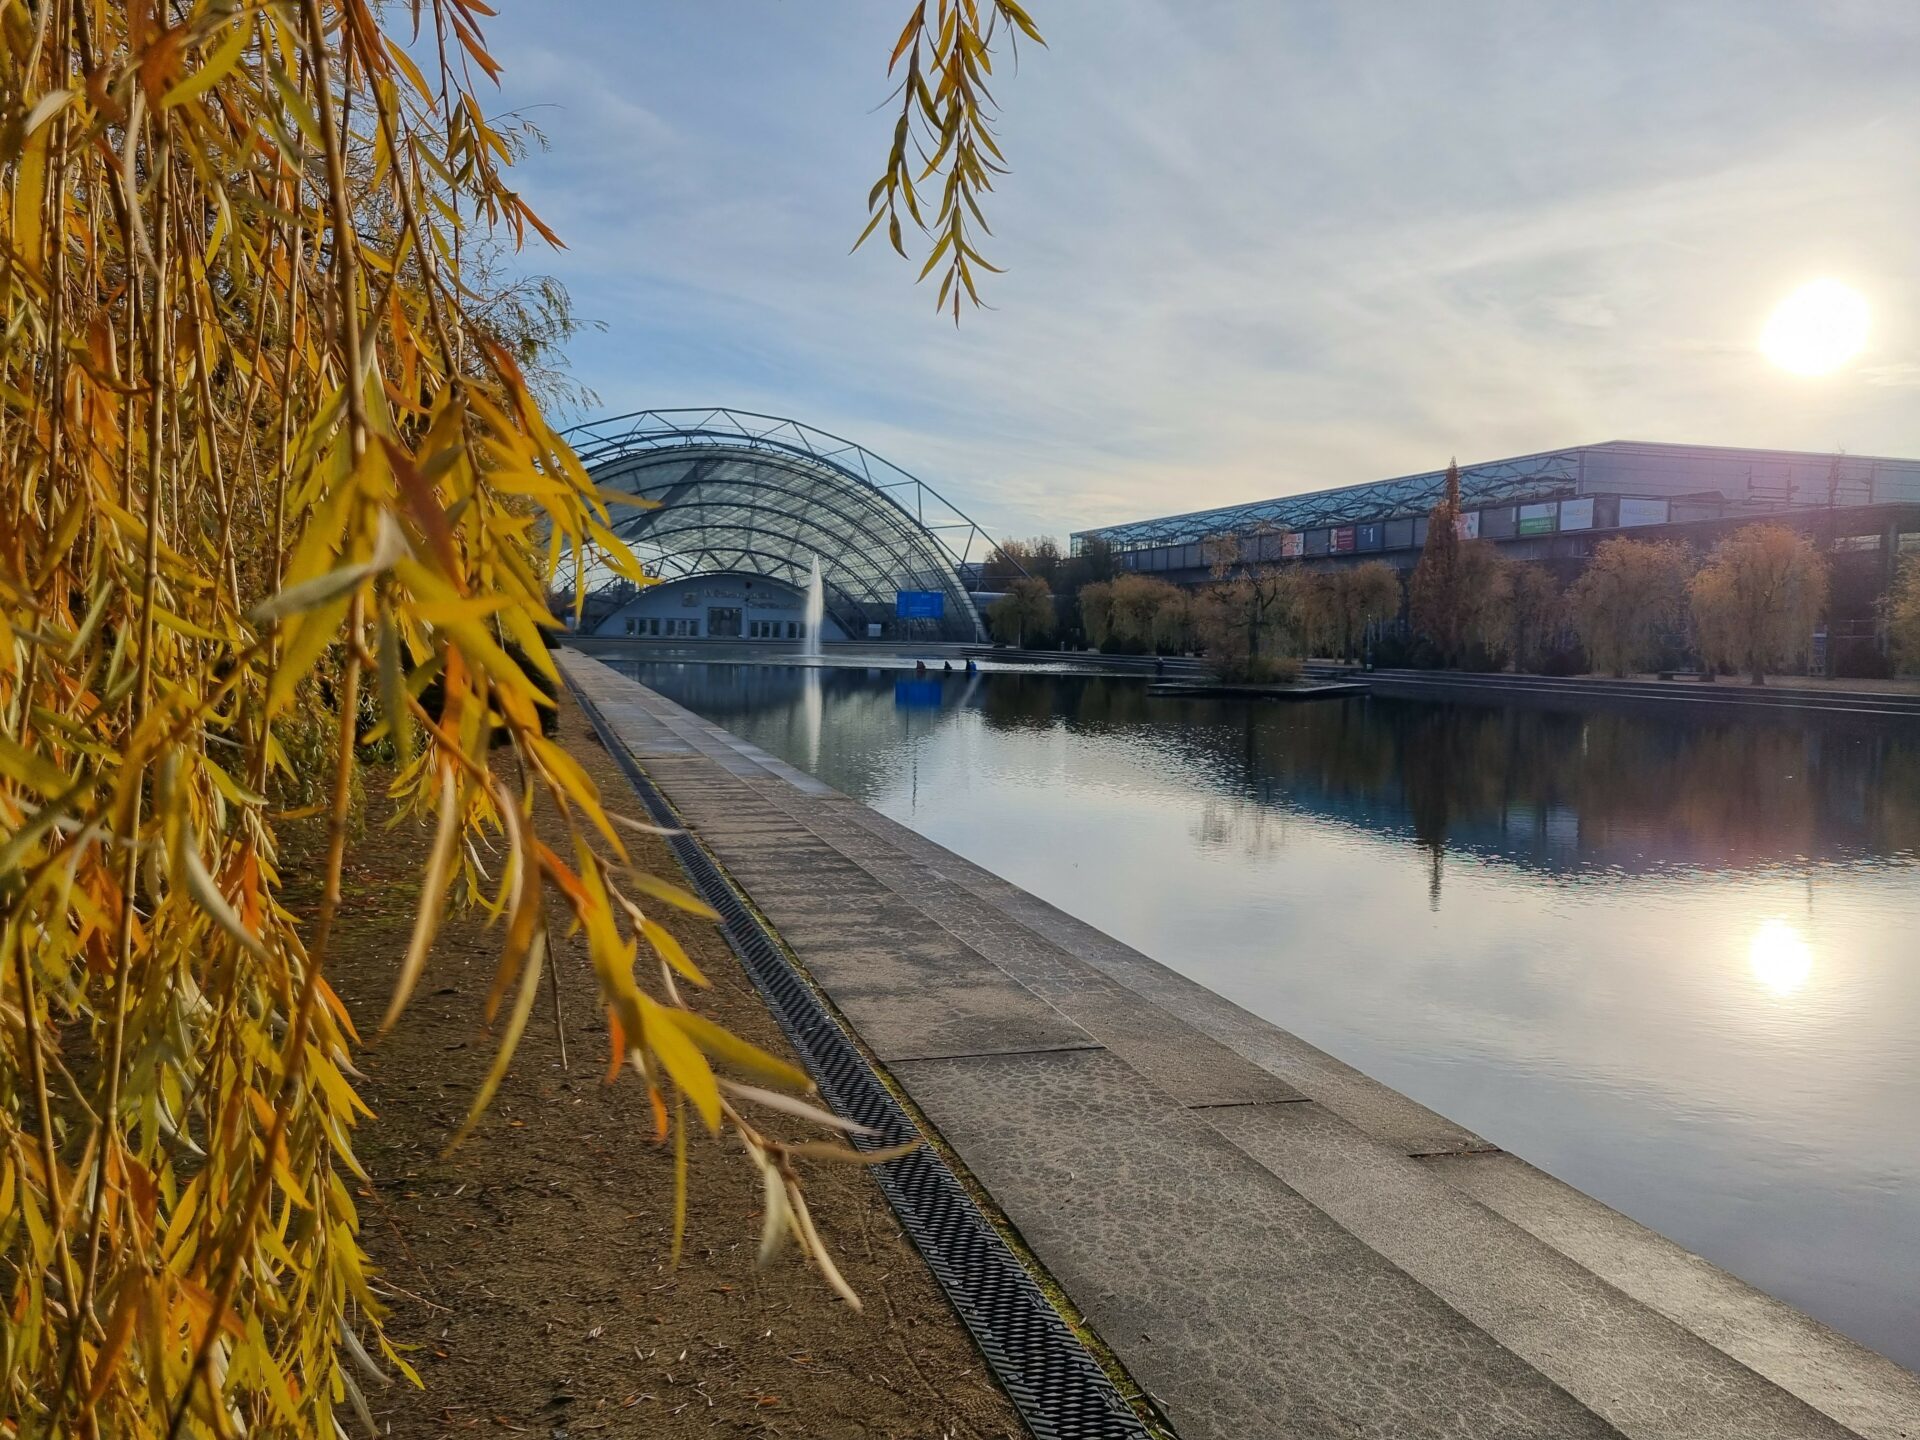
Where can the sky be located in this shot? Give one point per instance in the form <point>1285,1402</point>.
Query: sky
<point>1253,247</point>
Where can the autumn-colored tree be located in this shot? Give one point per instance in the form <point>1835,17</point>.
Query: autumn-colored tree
<point>1173,624</point>
<point>1756,600</point>
<point>1435,599</point>
<point>1011,560</point>
<point>1137,601</point>
<point>1244,618</point>
<point>1310,605</point>
<point>1903,613</point>
<point>1096,612</point>
<point>1628,597</point>
<point>276,491</point>
<point>1536,614</point>
<point>1023,614</point>
<point>1485,590</point>
<point>1364,595</point>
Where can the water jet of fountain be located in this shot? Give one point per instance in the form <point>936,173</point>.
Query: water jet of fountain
<point>816,614</point>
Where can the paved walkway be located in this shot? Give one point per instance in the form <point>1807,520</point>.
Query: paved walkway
<point>1274,1244</point>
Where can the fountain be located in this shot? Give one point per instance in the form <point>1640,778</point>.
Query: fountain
<point>816,614</point>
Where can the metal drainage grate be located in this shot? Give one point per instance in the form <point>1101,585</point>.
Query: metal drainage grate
<point>1058,1388</point>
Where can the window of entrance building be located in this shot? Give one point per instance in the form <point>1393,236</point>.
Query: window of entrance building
<point>723,621</point>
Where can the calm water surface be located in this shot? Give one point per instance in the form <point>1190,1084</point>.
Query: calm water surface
<point>1677,964</point>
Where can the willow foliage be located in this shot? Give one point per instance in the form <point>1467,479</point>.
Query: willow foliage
<point>273,488</point>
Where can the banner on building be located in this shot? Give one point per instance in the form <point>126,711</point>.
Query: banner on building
<point>1576,514</point>
<point>1537,519</point>
<point>1293,545</point>
<point>1468,525</point>
<point>1642,512</point>
<point>1343,539</point>
<point>919,604</point>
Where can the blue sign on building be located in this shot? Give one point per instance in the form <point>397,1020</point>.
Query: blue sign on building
<point>919,604</point>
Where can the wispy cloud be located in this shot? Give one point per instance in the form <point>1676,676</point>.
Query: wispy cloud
<point>1253,247</point>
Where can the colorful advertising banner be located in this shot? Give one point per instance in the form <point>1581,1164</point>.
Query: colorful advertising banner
<point>1293,544</point>
<point>1343,539</point>
<point>1576,514</point>
<point>1642,512</point>
<point>1469,525</point>
<point>1537,519</point>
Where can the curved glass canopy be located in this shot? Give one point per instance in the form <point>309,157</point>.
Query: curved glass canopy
<point>741,493</point>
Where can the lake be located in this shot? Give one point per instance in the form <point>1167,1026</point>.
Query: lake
<point>1675,963</point>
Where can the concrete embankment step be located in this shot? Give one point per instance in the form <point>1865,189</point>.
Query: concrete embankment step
<point>1272,1242</point>
<point>1683,696</point>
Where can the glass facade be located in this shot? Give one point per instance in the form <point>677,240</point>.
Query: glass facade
<point>752,495</point>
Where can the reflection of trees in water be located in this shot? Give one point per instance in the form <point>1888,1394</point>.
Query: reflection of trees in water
<point>1608,790</point>
<point>1550,790</point>
<point>1246,825</point>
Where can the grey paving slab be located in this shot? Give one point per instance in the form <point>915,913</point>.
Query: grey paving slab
<point>1244,1310</point>
<point>913,1001</point>
<point>1631,1365</point>
<point>1863,1390</point>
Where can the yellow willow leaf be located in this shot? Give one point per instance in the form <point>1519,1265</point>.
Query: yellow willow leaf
<point>774,1216</point>
<point>433,896</point>
<point>827,1150</point>
<point>317,629</point>
<point>21,764</point>
<point>206,894</point>
<point>679,1177</point>
<point>29,191</point>
<point>670,950</point>
<point>681,1059</point>
<point>817,1251</point>
<point>725,1046</point>
<point>218,65</point>
<point>522,630</point>
<point>310,594</point>
<point>799,1109</point>
<point>119,1328</point>
<point>509,1042</point>
<point>623,497</point>
<point>389,547</point>
<point>44,109</point>
<point>669,893</point>
<point>565,772</point>
<point>393,689</point>
<point>185,627</point>
<point>446,612</point>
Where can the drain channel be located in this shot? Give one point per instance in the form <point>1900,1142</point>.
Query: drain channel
<point>1058,1388</point>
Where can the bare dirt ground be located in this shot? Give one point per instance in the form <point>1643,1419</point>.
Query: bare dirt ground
<point>529,1271</point>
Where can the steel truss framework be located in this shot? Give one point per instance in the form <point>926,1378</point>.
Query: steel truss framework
<point>1546,476</point>
<point>744,493</point>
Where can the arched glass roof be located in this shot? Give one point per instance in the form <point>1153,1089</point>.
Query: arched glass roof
<point>741,493</point>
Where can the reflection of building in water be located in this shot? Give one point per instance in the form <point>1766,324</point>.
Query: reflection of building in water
<point>1558,793</point>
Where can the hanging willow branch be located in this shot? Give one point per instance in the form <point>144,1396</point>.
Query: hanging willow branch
<point>944,129</point>
<point>263,455</point>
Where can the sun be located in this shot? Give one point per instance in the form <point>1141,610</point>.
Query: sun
<point>1780,960</point>
<point>1816,329</point>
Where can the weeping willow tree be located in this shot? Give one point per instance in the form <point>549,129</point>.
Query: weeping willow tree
<point>275,489</point>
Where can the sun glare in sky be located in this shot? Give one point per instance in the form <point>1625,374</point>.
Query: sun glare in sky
<point>1816,329</point>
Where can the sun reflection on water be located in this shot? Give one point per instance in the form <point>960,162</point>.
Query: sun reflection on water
<point>1781,960</point>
